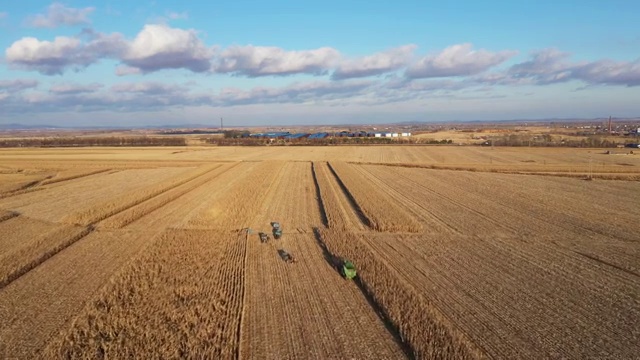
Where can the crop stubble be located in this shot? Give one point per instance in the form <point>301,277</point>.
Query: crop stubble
<point>305,309</point>
<point>58,201</point>
<point>498,265</point>
<point>381,213</point>
<point>182,297</point>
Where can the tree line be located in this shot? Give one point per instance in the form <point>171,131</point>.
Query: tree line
<point>93,141</point>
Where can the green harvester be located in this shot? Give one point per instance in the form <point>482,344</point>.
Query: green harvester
<point>348,270</point>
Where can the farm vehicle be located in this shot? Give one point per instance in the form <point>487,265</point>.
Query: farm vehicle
<point>347,270</point>
<point>264,237</point>
<point>288,258</point>
<point>276,229</point>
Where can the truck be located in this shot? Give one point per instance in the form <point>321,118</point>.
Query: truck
<point>276,229</point>
<point>348,270</point>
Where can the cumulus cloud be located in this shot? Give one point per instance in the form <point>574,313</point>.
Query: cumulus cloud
<point>294,93</point>
<point>59,15</point>
<point>127,97</point>
<point>156,47</point>
<point>54,57</point>
<point>17,84</point>
<point>429,85</point>
<point>72,89</point>
<point>159,47</point>
<point>255,61</point>
<point>376,64</point>
<point>549,66</point>
<point>545,67</point>
<point>148,88</point>
<point>609,72</point>
<point>156,96</point>
<point>457,60</point>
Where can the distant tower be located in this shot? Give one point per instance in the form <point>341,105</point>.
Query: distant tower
<point>609,125</point>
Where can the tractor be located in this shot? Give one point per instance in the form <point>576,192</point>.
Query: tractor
<point>276,229</point>
<point>288,258</point>
<point>264,237</point>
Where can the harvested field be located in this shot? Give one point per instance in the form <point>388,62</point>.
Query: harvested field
<point>38,305</point>
<point>340,211</point>
<point>143,208</point>
<point>183,297</point>
<point>27,249</point>
<point>461,252</point>
<point>426,330</point>
<point>238,205</point>
<point>306,310</point>
<point>86,195</point>
<point>380,213</point>
<point>132,198</point>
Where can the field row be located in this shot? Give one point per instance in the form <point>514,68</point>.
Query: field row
<point>452,264</point>
<point>182,297</point>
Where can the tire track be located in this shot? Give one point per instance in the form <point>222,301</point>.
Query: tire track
<point>7,214</point>
<point>351,200</point>
<point>339,211</point>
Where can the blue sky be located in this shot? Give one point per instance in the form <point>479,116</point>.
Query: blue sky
<point>299,62</point>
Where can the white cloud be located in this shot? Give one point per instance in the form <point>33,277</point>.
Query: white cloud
<point>294,93</point>
<point>376,64</point>
<point>549,66</point>
<point>68,88</point>
<point>254,61</point>
<point>123,70</point>
<point>457,60</point>
<point>18,84</point>
<point>159,47</point>
<point>47,57</point>
<point>609,72</point>
<point>545,67</point>
<point>54,57</point>
<point>148,88</point>
<point>156,47</point>
<point>59,15</point>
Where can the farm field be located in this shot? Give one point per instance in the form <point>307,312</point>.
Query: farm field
<point>461,252</point>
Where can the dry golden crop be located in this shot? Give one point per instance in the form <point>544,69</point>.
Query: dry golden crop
<point>71,175</point>
<point>460,263</point>
<point>34,251</point>
<point>427,331</point>
<point>135,212</point>
<point>182,298</point>
<point>236,208</point>
<point>338,211</point>
<point>125,201</point>
<point>381,213</point>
